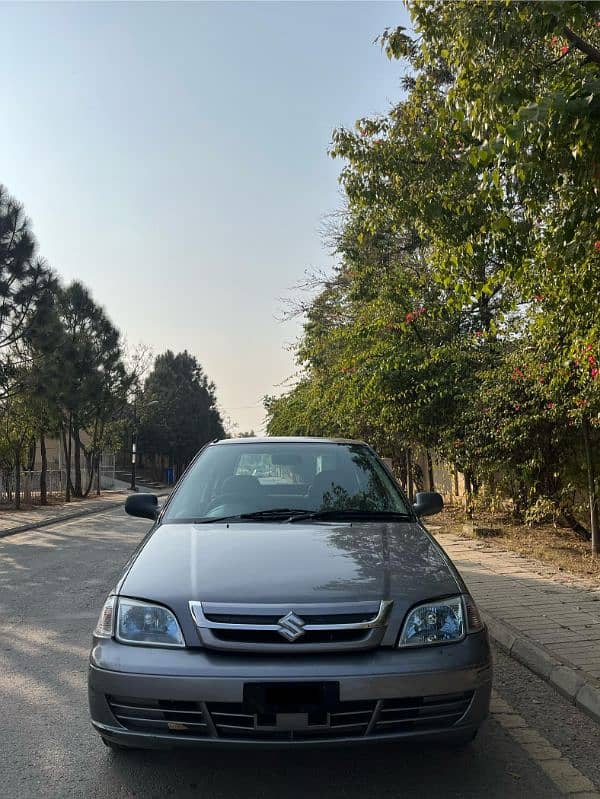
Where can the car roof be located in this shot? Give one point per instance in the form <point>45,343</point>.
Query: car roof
<point>286,440</point>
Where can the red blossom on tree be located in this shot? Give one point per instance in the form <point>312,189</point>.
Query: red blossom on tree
<point>412,315</point>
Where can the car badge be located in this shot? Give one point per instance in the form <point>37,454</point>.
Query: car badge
<point>291,627</point>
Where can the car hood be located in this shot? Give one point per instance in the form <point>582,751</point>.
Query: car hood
<point>260,562</point>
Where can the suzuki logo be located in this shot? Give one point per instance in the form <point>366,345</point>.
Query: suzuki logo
<point>291,626</point>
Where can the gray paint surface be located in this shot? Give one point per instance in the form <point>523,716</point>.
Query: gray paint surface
<point>280,562</point>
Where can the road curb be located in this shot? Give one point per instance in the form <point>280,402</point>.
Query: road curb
<point>24,528</point>
<point>568,681</point>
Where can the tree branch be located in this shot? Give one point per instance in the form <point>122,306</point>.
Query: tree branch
<point>592,52</point>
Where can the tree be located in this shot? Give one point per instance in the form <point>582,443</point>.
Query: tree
<point>94,381</point>
<point>16,425</point>
<point>462,315</point>
<point>524,92</point>
<point>40,386</point>
<point>24,280</point>
<point>181,414</point>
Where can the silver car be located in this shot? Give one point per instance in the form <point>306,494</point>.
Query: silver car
<point>288,595</point>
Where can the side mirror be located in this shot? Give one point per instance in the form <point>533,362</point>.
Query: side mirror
<point>143,505</point>
<point>428,503</point>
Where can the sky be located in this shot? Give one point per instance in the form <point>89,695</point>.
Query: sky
<point>173,157</point>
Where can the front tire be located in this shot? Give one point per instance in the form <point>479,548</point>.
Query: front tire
<point>462,741</point>
<point>117,747</point>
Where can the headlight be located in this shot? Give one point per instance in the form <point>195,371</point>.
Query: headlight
<point>105,625</point>
<point>146,624</point>
<point>439,622</point>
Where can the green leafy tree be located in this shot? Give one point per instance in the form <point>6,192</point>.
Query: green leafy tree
<point>181,410</point>
<point>16,429</point>
<point>24,280</point>
<point>463,314</point>
<point>94,382</point>
<point>523,91</point>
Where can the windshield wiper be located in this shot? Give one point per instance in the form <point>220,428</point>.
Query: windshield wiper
<point>273,513</point>
<point>298,515</point>
<point>353,513</point>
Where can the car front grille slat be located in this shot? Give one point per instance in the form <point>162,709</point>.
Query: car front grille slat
<point>163,723</point>
<point>425,708</point>
<point>171,717</point>
<point>136,708</point>
<point>293,628</point>
<point>418,719</point>
<point>331,619</point>
<point>270,639</point>
<point>234,721</point>
<point>422,713</point>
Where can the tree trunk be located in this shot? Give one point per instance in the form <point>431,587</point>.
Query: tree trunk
<point>18,478</point>
<point>468,496</point>
<point>68,444</point>
<point>410,490</point>
<point>32,453</point>
<point>592,493</point>
<point>578,528</point>
<point>44,472</point>
<point>77,461</point>
<point>430,472</point>
<point>98,457</point>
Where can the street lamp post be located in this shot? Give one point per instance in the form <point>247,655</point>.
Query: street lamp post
<point>133,486</point>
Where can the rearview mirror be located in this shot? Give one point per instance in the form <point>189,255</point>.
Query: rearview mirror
<point>143,505</point>
<point>428,503</point>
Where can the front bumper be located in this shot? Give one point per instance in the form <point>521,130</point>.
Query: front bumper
<point>167,698</point>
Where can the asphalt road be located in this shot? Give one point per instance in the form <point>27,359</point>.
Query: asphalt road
<point>52,584</point>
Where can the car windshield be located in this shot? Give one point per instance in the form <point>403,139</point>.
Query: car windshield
<point>269,478</point>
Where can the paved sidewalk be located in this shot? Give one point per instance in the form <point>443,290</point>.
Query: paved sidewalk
<point>549,620</point>
<point>12,521</point>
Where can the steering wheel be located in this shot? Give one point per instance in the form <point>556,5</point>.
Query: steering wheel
<point>231,505</point>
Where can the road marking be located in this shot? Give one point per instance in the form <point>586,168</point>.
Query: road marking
<point>569,780</point>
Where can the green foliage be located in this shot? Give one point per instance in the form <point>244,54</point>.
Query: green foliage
<point>180,409</point>
<point>25,281</point>
<point>463,315</point>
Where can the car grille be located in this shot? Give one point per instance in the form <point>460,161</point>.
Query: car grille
<point>235,721</point>
<point>160,716</point>
<point>294,628</point>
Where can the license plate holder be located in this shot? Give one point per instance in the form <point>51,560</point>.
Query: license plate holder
<point>290,697</point>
